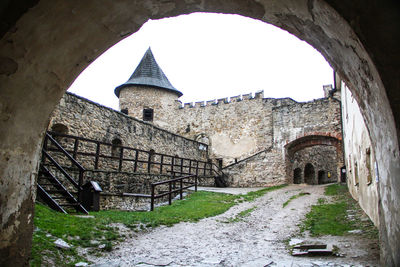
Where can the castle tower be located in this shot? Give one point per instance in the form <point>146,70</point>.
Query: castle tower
<point>148,95</point>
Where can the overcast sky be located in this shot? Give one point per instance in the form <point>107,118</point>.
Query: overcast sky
<point>208,56</point>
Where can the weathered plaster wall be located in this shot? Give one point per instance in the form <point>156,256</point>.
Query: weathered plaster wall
<point>136,98</point>
<point>44,48</point>
<point>90,120</point>
<point>362,168</point>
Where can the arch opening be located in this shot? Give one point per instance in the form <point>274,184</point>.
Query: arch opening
<point>297,176</point>
<point>309,174</point>
<point>363,77</point>
<point>322,177</point>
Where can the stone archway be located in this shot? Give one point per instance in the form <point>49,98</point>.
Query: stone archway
<point>45,44</point>
<point>297,176</point>
<point>324,152</point>
<point>321,177</point>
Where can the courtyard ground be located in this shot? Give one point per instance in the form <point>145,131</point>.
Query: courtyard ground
<point>249,234</point>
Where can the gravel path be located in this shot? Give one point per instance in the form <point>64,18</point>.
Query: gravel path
<point>257,240</point>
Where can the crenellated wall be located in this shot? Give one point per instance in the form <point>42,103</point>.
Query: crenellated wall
<point>234,127</point>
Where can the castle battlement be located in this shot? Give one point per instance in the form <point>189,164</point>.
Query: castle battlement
<point>220,101</point>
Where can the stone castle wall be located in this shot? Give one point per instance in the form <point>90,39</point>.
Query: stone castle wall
<point>321,117</point>
<point>324,161</point>
<point>318,117</point>
<point>240,127</point>
<point>235,127</point>
<point>262,169</point>
<point>87,119</point>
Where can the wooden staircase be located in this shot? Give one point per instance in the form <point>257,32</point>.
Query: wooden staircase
<point>54,191</point>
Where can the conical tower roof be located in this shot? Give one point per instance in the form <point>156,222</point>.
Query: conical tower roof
<point>148,73</point>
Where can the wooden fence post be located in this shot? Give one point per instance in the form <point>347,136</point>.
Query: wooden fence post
<point>161,163</point>
<point>181,191</point>
<point>170,194</point>
<point>152,198</point>
<point>172,164</point>
<point>181,166</point>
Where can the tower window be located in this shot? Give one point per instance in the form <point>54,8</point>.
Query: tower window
<point>116,147</point>
<point>148,114</point>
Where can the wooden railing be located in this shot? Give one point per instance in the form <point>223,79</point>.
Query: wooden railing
<point>173,188</point>
<point>131,159</point>
<point>55,146</point>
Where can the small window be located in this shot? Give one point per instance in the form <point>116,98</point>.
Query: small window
<point>125,111</point>
<point>59,128</point>
<point>116,147</point>
<point>148,114</point>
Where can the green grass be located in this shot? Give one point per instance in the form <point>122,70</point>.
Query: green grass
<point>328,219</point>
<point>79,232</point>
<point>76,231</point>
<point>294,197</point>
<point>331,218</point>
<point>197,206</point>
<point>335,190</point>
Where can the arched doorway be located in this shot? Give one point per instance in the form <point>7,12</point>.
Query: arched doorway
<point>297,176</point>
<point>38,64</point>
<point>309,174</point>
<point>321,177</point>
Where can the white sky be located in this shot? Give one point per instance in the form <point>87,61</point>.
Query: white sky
<point>208,56</point>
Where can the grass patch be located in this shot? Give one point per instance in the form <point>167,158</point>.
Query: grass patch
<point>335,190</point>
<point>78,232</point>
<point>81,232</point>
<point>197,206</point>
<point>294,197</point>
<point>328,219</point>
<point>333,218</point>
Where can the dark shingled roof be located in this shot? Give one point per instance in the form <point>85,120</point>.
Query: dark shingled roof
<point>148,73</point>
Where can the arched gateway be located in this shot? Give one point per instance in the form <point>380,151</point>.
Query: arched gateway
<point>45,44</point>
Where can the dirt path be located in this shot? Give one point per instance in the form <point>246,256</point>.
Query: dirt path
<point>257,240</point>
